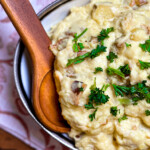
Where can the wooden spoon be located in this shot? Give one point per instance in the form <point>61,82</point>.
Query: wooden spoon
<point>44,95</point>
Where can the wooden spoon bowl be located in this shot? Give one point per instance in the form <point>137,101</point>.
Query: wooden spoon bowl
<point>44,95</point>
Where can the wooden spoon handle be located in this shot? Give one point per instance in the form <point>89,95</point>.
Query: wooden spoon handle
<point>31,31</point>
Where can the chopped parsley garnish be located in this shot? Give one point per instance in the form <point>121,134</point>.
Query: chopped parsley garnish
<point>75,47</point>
<point>81,46</point>
<point>148,77</point>
<point>89,106</point>
<point>128,45</point>
<point>122,118</point>
<point>125,69</point>
<point>112,71</point>
<point>144,65</point>
<point>76,37</point>
<point>140,91</point>
<point>111,57</point>
<point>96,97</point>
<point>135,92</point>
<point>78,46</point>
<point>104,34</point>
<point>92,116</point>
<point>147,112</point>
<point>146,46</point>
<point>94,53</point>
<point>114,110</point>
<point>81,89</point>
<point>98,69</point>
<point>121,90</point>
<point>78,59</point>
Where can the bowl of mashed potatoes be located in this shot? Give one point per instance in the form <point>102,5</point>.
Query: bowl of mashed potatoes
<point>102,72</point>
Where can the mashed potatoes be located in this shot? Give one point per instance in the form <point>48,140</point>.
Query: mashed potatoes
<point>120,121</point>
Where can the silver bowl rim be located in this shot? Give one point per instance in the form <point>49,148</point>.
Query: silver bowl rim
<point>16,71</point>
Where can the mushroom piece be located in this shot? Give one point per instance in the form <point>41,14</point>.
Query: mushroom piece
<point>70,72</point>
<point>141,2</point>
<point>77,88</point>
<point>138,2</point>
<point>62,43</point>
<point>94,39</point>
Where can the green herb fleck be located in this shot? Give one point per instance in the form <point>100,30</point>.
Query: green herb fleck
<point>146,46</point>
<point>122,118</point>
<point>98,69</point>
<point>75,47</point>
<point>144,65</point>
<point>111,57</point>
<point>112,71</point>
<point>114,110</point>
<point>78,46</point>
<point>140,91</point>
<point>94,85</point>
<point>121,90</point>
<point>124,101</point>
<point>125,69</point>
<point>89,106</point>
<point>92,116</point>
<point>81,89</point>
<point>104,34</point>
<point>76,37</point>
<point>81,46</point>
<point>94,53</point>
<point>96,97</point>
<point>78,59</point>
<point>148,77</point>
<point>128,45</point>
<point>105,87</point>
<point>147,112</point>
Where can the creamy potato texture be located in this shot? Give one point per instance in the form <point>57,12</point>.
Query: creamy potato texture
<point>131,22</point>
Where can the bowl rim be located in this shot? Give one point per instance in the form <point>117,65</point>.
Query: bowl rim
<point>16,71</point>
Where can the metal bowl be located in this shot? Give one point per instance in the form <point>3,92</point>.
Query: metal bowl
<point>49,16</point>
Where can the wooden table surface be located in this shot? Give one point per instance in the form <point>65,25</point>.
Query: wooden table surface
<point>9,142</point>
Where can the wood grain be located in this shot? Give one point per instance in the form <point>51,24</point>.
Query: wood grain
<point>9,142</point>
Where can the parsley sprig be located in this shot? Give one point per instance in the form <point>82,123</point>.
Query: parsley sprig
<point>128,45</point>
<point>111,57</point>
<point>146,46</point>
<point>76,37</point>
<point>92,116</point>
<point>125,69</point>
<point>147,112</point>
<point>144,65</point>
<point>112,71</point>
<point>96,97</point>
<point>114,110</point>
<point>121,90</point>
<point>98,69</point>
<point>78,46</point>
<point>94,53</point>
<point>104,34</point>
<point>139,91</point>
<point>122,118</point>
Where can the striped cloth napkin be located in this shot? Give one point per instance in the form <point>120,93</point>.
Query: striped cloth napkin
<point>13,116</point>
